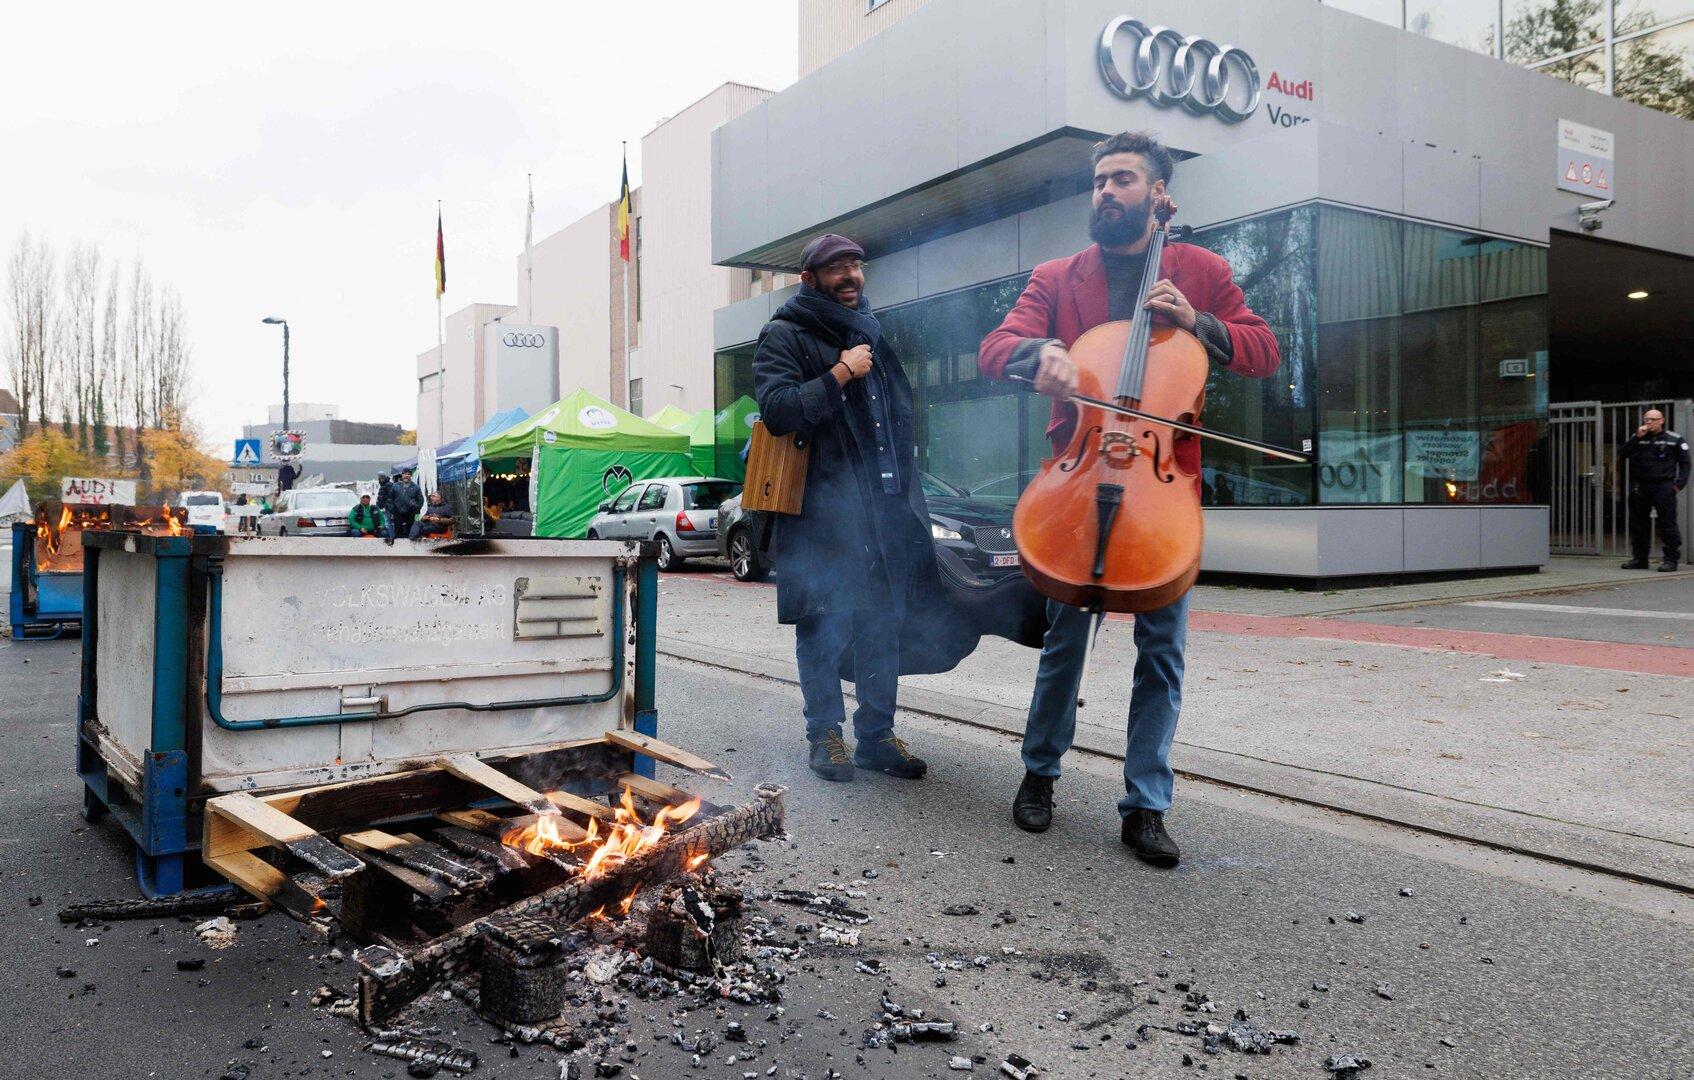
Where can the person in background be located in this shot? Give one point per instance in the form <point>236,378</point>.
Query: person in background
<point>404,501</point>
<point>436,518</point>
<point>1658,470</point>
<point>286,476</point>
<point>365,519</point>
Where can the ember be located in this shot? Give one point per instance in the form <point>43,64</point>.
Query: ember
<point>625,838</point>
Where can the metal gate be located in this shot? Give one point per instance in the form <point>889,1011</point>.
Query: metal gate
<point>1589,483</point>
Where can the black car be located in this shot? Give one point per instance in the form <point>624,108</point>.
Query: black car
<point>973,536</point>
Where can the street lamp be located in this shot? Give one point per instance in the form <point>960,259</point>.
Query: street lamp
<point>274,321</point>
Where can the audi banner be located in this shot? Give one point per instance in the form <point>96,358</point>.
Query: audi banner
<point>520,366</point>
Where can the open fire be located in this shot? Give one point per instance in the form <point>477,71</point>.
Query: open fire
<point>59,527</point>
<point>626,837</point>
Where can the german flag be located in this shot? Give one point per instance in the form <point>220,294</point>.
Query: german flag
<point>623,211</point>
<point>440,257</point>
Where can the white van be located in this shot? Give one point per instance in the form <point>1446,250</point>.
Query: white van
<point>205,509</point>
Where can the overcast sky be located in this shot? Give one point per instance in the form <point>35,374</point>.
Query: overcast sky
<point>292,167</point>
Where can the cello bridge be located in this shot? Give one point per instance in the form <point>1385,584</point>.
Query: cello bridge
<point>1119,448</point>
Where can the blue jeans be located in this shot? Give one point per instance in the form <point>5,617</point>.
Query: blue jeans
<point>1155,701</point>
<point>818,644</point>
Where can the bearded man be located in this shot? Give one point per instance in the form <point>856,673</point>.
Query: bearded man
<point>1064,299</point>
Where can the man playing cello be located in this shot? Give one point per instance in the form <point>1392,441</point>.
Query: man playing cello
<point>1065,298</point>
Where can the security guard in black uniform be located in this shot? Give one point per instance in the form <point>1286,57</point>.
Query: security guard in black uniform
<point>1658,469</point>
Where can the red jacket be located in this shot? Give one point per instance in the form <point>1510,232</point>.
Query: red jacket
<point>1065,298</point>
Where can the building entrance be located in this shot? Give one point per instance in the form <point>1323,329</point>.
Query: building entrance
<point>1588,482</point>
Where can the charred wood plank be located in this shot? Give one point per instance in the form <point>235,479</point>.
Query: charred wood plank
<point>239,822</point>
<point>506,859</point>
<point>265,881</point>
<point>474,769</point>
<point>665,752</point>
<point>417,855</point>
<point>389,979</point>
<point>163,907</point>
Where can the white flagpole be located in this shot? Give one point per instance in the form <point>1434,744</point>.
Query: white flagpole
<point>529,254</point>
<point>627,264</point>
<point>441,358</point>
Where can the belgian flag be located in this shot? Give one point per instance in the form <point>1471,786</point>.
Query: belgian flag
<point>623,211</point>
<point>440,257</point>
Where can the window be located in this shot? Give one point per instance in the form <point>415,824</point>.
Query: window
<point>1465,23</point>
<point>1585,69</point>
<point>1275,262</point>
<point>202,500</point>
<point>732,396</point>
<point>654,497</point>
<point>1432,347</point>
<point>1657,70</point>
<point>635,397</point>
<point>626,502</point>
<point>707,496</point>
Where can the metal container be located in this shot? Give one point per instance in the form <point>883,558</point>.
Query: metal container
<point>43,603</point>
<point>218,664</point>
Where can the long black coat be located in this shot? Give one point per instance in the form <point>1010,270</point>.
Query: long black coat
<point>841,552</point>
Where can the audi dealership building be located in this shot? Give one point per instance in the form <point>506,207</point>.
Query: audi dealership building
<point>1416,221</point>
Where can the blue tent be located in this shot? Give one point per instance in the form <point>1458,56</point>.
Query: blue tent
<point>411,463</point>
<point>460,461</point>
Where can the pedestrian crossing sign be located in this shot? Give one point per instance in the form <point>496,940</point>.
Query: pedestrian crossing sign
<point>246,452</point>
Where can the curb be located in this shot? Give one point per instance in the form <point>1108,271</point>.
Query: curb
<point>1658,863</point>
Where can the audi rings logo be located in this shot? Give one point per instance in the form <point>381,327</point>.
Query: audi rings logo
<point>1170,68</point>
<point>515,340</point>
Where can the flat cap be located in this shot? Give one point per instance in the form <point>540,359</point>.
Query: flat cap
<point>826,249</point>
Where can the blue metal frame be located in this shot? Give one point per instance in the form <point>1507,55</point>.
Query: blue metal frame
<point>158,818</point>
<point>56,608</point>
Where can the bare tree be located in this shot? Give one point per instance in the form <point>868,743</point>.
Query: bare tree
<point>106,369</point>
<point>170,362</point>
<point>79,337</point>
<point>136,362</point>
<point>32,302</point>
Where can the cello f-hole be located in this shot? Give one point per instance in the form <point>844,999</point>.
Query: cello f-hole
<point>1081,450</point>
<point>1161,461</point>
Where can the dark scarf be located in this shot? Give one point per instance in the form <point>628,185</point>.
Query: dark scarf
<point>849,327</point>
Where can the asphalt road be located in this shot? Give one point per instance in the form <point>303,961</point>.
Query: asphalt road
<point>1528,971</point>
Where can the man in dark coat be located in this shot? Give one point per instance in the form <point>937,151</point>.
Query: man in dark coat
<point>405,500</point>
<point>848,565</point>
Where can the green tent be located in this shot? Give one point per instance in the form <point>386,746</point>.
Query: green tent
<point>731,429</point>
<point>698,427</point>
<point>585,450</point>
<point>670,416</point>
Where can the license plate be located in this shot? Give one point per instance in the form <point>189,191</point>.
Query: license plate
<point>1003,560</point>
<point>712,522</point>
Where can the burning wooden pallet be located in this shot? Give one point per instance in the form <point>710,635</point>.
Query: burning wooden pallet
<point>470,844</point>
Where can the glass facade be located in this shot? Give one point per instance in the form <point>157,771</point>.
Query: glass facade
<point>1414,366</point>
<point>1642,50</point>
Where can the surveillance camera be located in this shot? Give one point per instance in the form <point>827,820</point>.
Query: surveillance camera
<point>1590,208</point>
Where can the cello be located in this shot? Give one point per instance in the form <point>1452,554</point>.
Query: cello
<point>1113,522</point>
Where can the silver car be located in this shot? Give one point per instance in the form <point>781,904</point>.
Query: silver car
<point>309,512</point>
<point>680,513</point>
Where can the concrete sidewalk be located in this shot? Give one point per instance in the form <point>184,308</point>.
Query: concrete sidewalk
<point>1583,765</point>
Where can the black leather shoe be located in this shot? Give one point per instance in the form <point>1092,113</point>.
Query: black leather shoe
<point>1634,564</point>
<point>1144,833</point>
<point>830,759</point>
<point>889,756</point>
<point>1668,566</point>
<point>1032,810</point>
